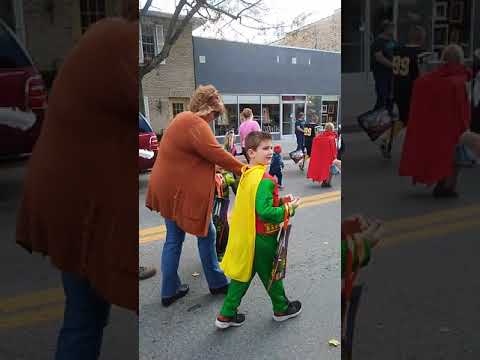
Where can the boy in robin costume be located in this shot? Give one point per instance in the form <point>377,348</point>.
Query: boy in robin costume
<point>254,227</point>
<point>359,236</point>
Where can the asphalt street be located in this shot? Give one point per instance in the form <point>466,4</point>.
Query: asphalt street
<point>186,329</point>
<point>31,295</point>
<point>421,288</point>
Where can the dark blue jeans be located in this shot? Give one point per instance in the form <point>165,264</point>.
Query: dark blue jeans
<point>172,249</point>
<point>383,89</point>
<point>86,315</point>
<point>300,141</point>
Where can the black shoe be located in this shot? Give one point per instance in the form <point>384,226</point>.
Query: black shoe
<point>294,309</point>
<point>221,290</point>
<point>225,323</point>
<point>326,185</point>
<point>182,291</point>
<point>146,272</point>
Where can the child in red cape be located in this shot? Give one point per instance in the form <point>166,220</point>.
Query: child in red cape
<point>439,114</point>
<point>324,152</point>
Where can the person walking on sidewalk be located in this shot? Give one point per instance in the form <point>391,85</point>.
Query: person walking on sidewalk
<point>382,56</point>
<point>405,71</point>
<point>252,244</point>
<point>246,127</point>
<point>299,131</point>
<point>181,189</point>
<point>83,223</point>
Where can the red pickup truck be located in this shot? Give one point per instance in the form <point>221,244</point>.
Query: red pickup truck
<point>23,96</point>
<point>147,144</point>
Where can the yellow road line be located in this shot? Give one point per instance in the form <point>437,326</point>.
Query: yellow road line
<point>42,297</point>
<point>157,231</point>
<point>320,201</point>
<point>152,230</point>
<point>441,217</point>
<point>311,201</point>
<point>431,232</point>
<point>32,317</point>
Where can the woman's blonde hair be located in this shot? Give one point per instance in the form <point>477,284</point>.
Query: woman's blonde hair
<point>329,126</point>
<point>453,53</point>
<point>247,113</point>
<point>206,99</point>
<point>229,139</point>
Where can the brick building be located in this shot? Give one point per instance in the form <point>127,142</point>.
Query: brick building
<point>324,34</point>
<point>168,88</point>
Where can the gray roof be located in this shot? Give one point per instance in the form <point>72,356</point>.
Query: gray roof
<point>246,68</point>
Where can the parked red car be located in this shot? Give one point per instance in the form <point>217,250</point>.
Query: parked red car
<point>147,144</point>
<point>23,96</point>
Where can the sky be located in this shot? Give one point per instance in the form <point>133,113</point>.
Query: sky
<point>280,11</point>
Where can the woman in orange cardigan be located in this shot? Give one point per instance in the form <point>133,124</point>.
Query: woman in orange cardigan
<point>75,209</point>
<point>181,189</point>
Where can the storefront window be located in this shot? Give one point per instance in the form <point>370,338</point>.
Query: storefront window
<point>445,22</point>
<point>452,24</point>
<point>252,102</point>
<point>329,111</point>
<point>353,38</point>
<point>417,13</point>
<point>314,108</point>
<point>229,119</point>
<point>271,114</point>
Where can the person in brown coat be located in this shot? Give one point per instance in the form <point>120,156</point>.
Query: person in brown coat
<point>181,189</point>
<point>79,205</point>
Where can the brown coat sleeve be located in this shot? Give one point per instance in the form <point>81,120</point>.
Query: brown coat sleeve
<point>207,146</point>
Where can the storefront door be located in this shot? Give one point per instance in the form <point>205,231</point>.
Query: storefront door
<point>290,112</point>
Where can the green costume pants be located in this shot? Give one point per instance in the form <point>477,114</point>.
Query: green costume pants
<point>265,250</point>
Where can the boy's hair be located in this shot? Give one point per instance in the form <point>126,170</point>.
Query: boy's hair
<point>277,149</point>
<point>253,140</point>
<point>329,126</point>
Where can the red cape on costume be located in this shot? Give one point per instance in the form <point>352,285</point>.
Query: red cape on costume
<point>324,151</point>
<point>439,114</point>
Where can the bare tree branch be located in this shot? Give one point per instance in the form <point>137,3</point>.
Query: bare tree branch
<point>172,38</point>
<point>220,14</point>
<point>146,7</point>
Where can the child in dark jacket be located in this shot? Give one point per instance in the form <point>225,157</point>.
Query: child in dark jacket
<point>276,166</point>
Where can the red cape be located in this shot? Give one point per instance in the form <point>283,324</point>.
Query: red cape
<point>324,151</point>
<point>439,114</point>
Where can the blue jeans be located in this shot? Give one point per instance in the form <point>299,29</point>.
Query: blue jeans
<point>300,141</point>
<point>172,250</point>
<point>383,89</point>
<point>86,315</point>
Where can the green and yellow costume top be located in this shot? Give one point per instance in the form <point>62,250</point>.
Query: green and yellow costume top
<point>257,211</point>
